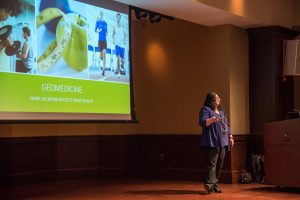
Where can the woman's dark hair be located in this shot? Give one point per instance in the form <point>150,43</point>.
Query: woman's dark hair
<point>210,100</point>
<point>14,7</point>
<point>26,30</point>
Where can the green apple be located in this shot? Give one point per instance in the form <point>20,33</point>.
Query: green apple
<point>76,52</point>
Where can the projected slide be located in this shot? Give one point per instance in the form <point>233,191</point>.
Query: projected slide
<point>65,56</point>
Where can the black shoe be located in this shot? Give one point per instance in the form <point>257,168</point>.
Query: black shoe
<point>217,190</point>
<point>209,191</point>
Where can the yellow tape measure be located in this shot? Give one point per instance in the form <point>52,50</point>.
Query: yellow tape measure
<point>57,48</point>
<point>54,50</point>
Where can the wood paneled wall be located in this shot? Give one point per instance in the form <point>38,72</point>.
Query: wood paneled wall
<point>36,159</point>
<point>270,96</point>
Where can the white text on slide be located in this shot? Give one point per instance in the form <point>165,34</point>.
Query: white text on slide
<point>46,87</point>
<point>61,99</point>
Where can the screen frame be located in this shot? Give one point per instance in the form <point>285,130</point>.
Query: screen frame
<point>108,5</point>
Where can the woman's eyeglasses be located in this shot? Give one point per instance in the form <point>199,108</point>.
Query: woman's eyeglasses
<point>217,98</point>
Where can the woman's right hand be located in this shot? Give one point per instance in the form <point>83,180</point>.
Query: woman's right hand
<point>215,119</point>
<point>211,120</point>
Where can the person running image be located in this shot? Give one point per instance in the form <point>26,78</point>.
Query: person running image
<point>118,37</point>
<point>101,29</point>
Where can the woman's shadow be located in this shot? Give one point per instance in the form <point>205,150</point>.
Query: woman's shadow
<point>168,192</point>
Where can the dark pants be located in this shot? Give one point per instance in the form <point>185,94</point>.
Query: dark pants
<point>214,158</point>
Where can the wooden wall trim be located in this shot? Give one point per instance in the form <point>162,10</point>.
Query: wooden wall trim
<point>36,159</point>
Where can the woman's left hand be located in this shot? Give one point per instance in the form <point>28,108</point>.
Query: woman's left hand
<point>231,142</point>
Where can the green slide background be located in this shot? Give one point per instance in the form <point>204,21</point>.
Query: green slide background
<point>17,92</point>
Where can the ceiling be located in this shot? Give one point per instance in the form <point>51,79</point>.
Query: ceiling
<point>193,11</point>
